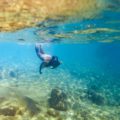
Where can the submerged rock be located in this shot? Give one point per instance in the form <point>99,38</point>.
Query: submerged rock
<point>58,100</point>
<point>95,97</point>
<point>8,111</point>
<point>13,104</point>
<point>2,99</point>
<point>52,112</point>
<point>31,105</point>
<point>12,74</point>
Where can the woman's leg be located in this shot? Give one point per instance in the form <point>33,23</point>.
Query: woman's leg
<point>39,51</point>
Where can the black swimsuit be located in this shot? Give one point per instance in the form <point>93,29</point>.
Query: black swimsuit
<point>54,62</point>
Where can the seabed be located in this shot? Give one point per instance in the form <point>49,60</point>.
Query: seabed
<point>26,97</point>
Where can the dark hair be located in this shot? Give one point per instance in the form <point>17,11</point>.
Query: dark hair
<point>54,62</point>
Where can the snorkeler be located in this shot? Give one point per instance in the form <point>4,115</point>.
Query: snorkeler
<point>47,60</point>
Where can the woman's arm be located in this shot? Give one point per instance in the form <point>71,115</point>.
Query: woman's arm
<point>42,65</point>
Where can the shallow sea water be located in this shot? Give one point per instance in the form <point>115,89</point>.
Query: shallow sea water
<point>87,81</point>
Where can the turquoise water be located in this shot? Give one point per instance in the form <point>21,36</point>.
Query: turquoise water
<point>89,74</point>
<point>92,67</point>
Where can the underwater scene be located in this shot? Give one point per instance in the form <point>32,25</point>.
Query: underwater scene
<point>59,60</point>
